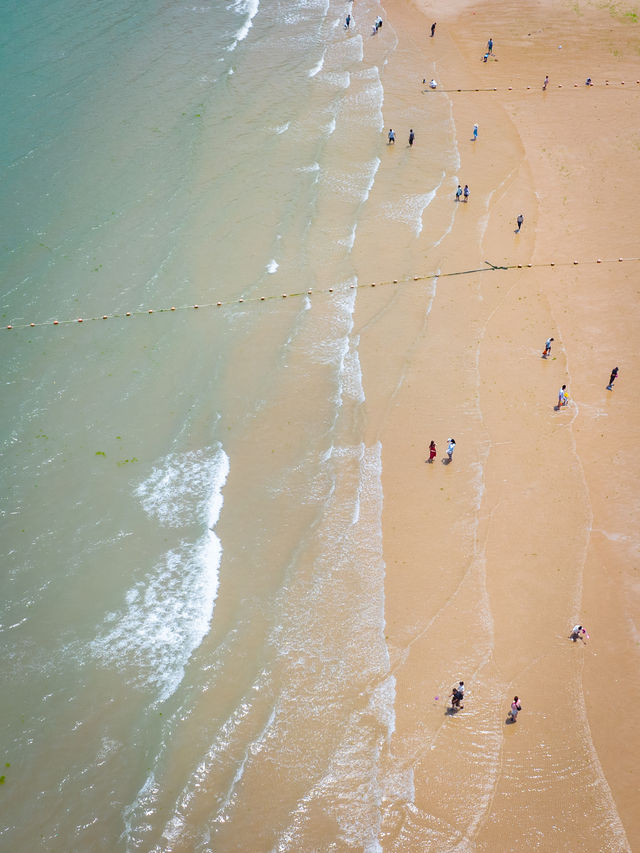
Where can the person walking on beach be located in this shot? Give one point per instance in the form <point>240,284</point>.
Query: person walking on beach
<point>547,347</point>
<point>563,397</point>
<point>412,136</point>
<point>519,220</point>
<point>432,451</point>
<point>433,30</point>
<point>578,633</point>
<point>465,192</point>
<point>490,47</point>
<point>392,137</point>
<point>612,379</point>
<point>451,446</point>
<point>516,707</point>
<point>457,695</point>
<point>458,193</point>
<point>347,22</point>
<point>475,131</point>
<point>545,84</point>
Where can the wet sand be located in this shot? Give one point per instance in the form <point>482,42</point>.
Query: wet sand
<point>533,527</point>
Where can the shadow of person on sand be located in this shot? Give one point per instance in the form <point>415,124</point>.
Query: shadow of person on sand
<point>447,461</point>
<point>451,711</point>
<point>509,721</point>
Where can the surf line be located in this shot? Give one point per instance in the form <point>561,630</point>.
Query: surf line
<point>409,280</point>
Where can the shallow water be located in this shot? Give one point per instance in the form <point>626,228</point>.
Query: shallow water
<point>193,600</point>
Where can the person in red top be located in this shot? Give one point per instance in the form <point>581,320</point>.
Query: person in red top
<point>432,451</point>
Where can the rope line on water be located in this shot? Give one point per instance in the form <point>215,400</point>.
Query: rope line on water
<point>489,267</point>
<point>607,83</point>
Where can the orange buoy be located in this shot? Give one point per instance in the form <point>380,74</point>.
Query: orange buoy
<point>150,311</point>
<point>219,304</point>
<point>284,295</point>
<point>599,261</point>
<point>196,306</point>
<point>79,319</point>
<point>173,307</point>
<point>128,314</point>
<point>104,316</point>
<point>32,324</point>
<point>9,327</point>
<point>55,322</point>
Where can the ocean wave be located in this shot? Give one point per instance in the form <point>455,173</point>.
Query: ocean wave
<point>409,209</point>
<point>167,612</point>
<point>250,9</point>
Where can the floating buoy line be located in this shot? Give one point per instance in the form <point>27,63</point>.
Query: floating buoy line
<point>489,267</point>
<point>607,83</point>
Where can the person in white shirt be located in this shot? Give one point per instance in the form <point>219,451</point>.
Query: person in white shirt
<point>451,446</point>
<point>578,633</point>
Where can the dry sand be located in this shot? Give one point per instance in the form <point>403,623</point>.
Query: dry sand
<point>533,527</point>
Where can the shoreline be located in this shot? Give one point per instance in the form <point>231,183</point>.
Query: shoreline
<point>492,559</point>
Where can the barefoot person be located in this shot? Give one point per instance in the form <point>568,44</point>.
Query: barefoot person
<point>457,695</point>
<point>547,347</point>
<point>516,707</point>
<point>432,451</point>
<point>578,633</point>
<point>563,397</point>
<point>451,446</point>
<point>612,379</point>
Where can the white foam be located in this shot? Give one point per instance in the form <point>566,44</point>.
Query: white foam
<point>282,128</point>
<point>339,79</point>
<point>250,9</point>
<point>409,209</point>
<point>314,167</point>
<point>166,613</point>
<point>272,266</point>
<point>330,127</point>
<point>351,238</point>
<point>318,66</point>
<point>357,182</point>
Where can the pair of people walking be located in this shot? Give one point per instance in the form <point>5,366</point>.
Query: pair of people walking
<point>392,137</point>
<point>433,451</point>
<point>462,193</point>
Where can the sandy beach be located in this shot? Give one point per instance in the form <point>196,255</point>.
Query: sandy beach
<point>533,526</point>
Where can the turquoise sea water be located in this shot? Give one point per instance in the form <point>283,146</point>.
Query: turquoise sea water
<point>192,615</point>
